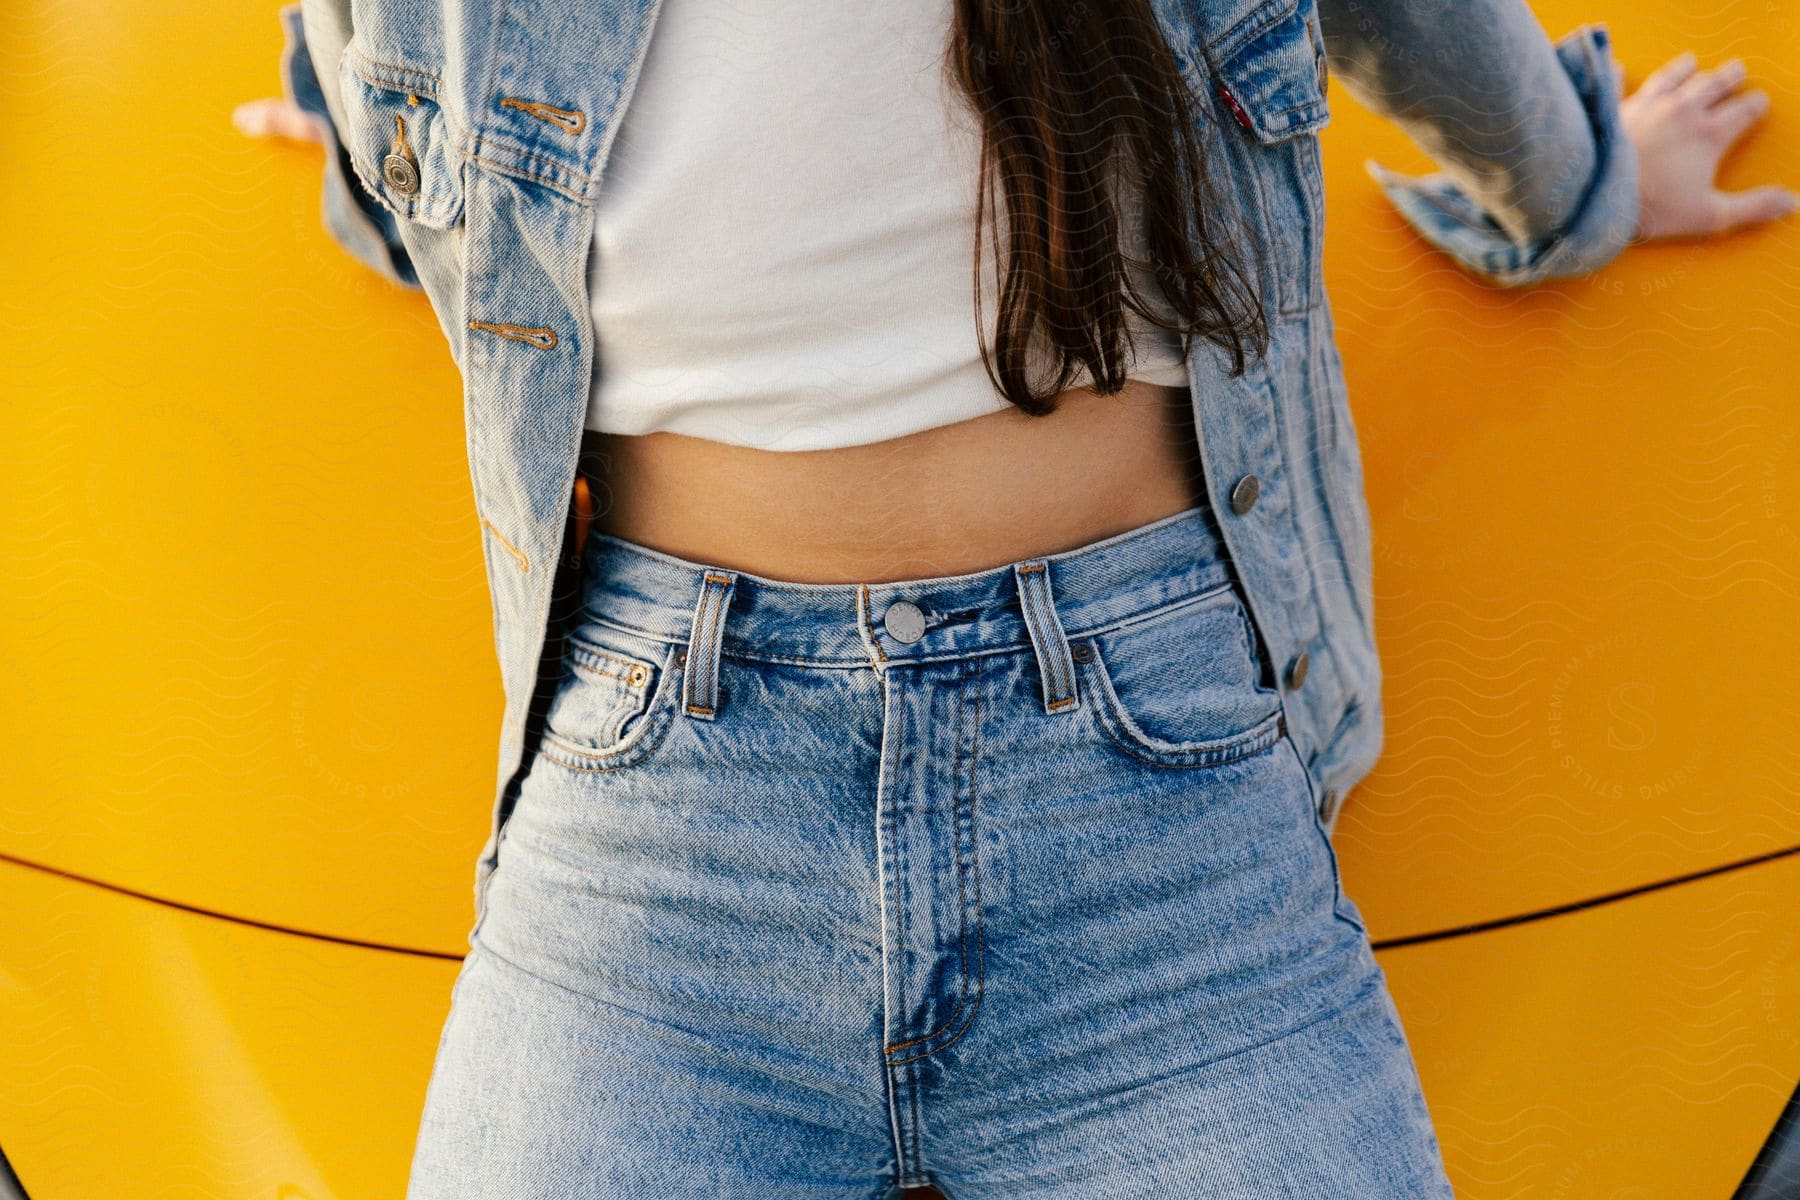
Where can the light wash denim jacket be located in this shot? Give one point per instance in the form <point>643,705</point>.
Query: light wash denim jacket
<point>467,141</point>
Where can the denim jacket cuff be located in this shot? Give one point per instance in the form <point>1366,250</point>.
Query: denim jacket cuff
<point>352,217</point>
<point>1603,223</point>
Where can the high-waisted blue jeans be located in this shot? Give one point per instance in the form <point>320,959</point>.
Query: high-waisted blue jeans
<point>1011,882</point>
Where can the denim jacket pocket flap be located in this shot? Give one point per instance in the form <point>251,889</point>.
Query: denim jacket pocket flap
<point>400,140</point>
<point>1271,71</point>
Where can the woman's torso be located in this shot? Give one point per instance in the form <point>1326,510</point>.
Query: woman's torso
<point>789,375</point>
<point>943,501</point>
<point>507,129</point>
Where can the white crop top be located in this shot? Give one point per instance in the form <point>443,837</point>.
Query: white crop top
<point>783,242</point>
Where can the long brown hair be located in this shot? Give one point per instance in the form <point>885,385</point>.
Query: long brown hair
<point>1076,97</point>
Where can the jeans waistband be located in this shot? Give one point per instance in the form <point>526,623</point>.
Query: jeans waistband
<point>1035,602</point>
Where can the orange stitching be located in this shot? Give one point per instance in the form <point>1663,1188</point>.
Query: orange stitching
<point>519,558</point>
<point>567,119</point>
<point>396,68</point>
<point>542,338</point>
<point>862,608</point>
<point>464,139</point>
<point>1032,567</point>
<point>712,578</point>
<point>634,677</point>
<point>575,758</point>
<point>400,146</point>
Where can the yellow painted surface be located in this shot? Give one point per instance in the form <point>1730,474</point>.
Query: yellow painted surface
<point>252,659</point>
<point>249,653</point>
<point>1586,506</point>
<point>156,1054</point>
<point>249,659</point>
<point>1640,1049</point>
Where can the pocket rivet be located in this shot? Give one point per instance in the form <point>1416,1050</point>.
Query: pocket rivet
<point>638,676</point>
<point>681,658</point>
<point>1083,652</point>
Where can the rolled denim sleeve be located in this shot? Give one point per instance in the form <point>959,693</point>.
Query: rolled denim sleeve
<point>1539,180</point>
<point>353,218</point>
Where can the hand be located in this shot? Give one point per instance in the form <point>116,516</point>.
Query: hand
<point>1682,122</point>
<point>276,117</point>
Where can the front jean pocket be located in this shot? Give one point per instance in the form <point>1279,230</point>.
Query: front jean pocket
<point>615,700</point>
<point>1181,686</point>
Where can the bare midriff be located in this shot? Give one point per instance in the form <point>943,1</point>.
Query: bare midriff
<point>962,497</point>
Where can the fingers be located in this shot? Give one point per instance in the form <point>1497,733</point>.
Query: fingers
<point>276,117</point>
<point>1704,88</point>
<point>1732,116</point>
<point>1752,206</point>
<point>1669,76</point>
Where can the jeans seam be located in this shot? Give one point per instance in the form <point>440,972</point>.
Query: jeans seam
<point>1371,983</point>
<point>974,873</point>
<point>699,1038</point>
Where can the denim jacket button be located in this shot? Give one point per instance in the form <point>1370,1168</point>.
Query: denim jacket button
<point>1296,672</point>
<point>400,174</point>
<point>904,621</point>
<point>1244,493</point>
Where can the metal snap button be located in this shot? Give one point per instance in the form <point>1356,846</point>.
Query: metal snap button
<point>904,621</point>
<point>1296,672</point>
<point>400,173</point>
<point>1328,803</point>
<point>1244,493</point>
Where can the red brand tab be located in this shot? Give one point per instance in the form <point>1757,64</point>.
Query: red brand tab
<point>1237,110</point>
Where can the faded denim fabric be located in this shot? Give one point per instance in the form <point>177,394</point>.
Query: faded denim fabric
<point>1013,882</point>
<point>353,217</point>
<point>477,135</point>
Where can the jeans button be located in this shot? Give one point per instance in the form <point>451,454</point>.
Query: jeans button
<point>400,173</point>
<point>1296,672</point>
<point>904,621</point>
<point>1244,493</point>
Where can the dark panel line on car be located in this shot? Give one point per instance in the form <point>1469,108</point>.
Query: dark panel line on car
<point>1577,905</point>
<point>211,912</point>
<point>1376,943</point>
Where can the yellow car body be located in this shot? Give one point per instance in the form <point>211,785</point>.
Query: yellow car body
<point>250,687</point>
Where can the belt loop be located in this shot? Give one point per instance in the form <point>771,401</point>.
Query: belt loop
<point>700,680</point>
<point>1056,669</point>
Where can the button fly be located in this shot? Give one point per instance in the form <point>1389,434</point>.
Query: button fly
<point>903,621</point>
